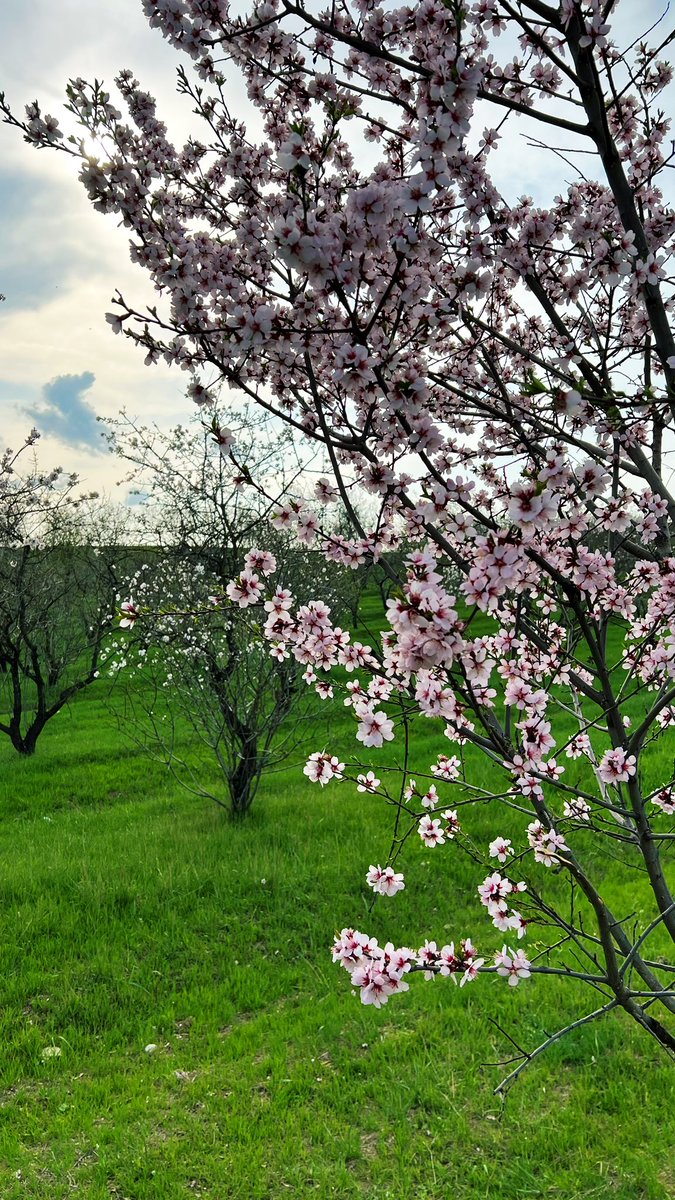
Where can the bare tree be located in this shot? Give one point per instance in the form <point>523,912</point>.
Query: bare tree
<point>61,562</point>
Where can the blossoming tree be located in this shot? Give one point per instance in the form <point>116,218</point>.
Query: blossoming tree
<point>201,691</point>
<point>498,370</point>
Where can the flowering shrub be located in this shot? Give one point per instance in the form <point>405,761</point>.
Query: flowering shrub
<point>496,372</point>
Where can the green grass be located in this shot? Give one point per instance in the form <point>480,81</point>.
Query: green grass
<point>134,914</point>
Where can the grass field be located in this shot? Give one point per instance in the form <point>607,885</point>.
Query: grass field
<point>133,914</point>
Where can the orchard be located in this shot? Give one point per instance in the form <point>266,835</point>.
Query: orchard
<point>497,373</point>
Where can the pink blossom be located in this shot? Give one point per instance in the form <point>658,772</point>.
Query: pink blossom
<point>350,947</point>
<point>546,843</point>
<point>513,965</point>
<point>321,768</point>
<point>472,971</point>
<point>500,849</point>
<point>616,766</point>
<point>325,491</point>
<point>385,880</point>
<point>279,651</point>
<point>262,561</point>
<point>452,825</point>
<point>517,923</point>
<point>307,525</point>
<point>665,800</point>
<point>431,831</point>
<point>530,505</point>
<point>245,590</point>
<point>375,985</point>
<point>285,517</point>
<point>577,808</point>
<point>428,956</point>
<point>292,154</point>
<point>375,728</point>
<point>279,603</point>
<point>367,782</point>
<point>131,614</point>
<point>493,892</point>
<point>430,798</point>
<point>446,768</point>
<point>578,745</point>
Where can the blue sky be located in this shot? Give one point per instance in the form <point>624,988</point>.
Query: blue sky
<point>60,262</point>
<point>64,411</point>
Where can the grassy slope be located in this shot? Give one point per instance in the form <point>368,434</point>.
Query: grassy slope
<point>135,914</point>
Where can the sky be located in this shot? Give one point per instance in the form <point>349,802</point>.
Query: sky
<point>60,262</point>
<point>61,367</point>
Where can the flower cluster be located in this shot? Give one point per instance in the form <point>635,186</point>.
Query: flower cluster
<point>385,881</point>
<point>321,768</point>
<point>494,894</point>
<point>379,972</point>
<point>546,843</point>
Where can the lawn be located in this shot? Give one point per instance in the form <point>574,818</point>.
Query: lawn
<point>135,915</point>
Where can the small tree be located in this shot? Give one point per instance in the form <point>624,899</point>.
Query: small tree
<point>60,567</point>
<point>201,685</point>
